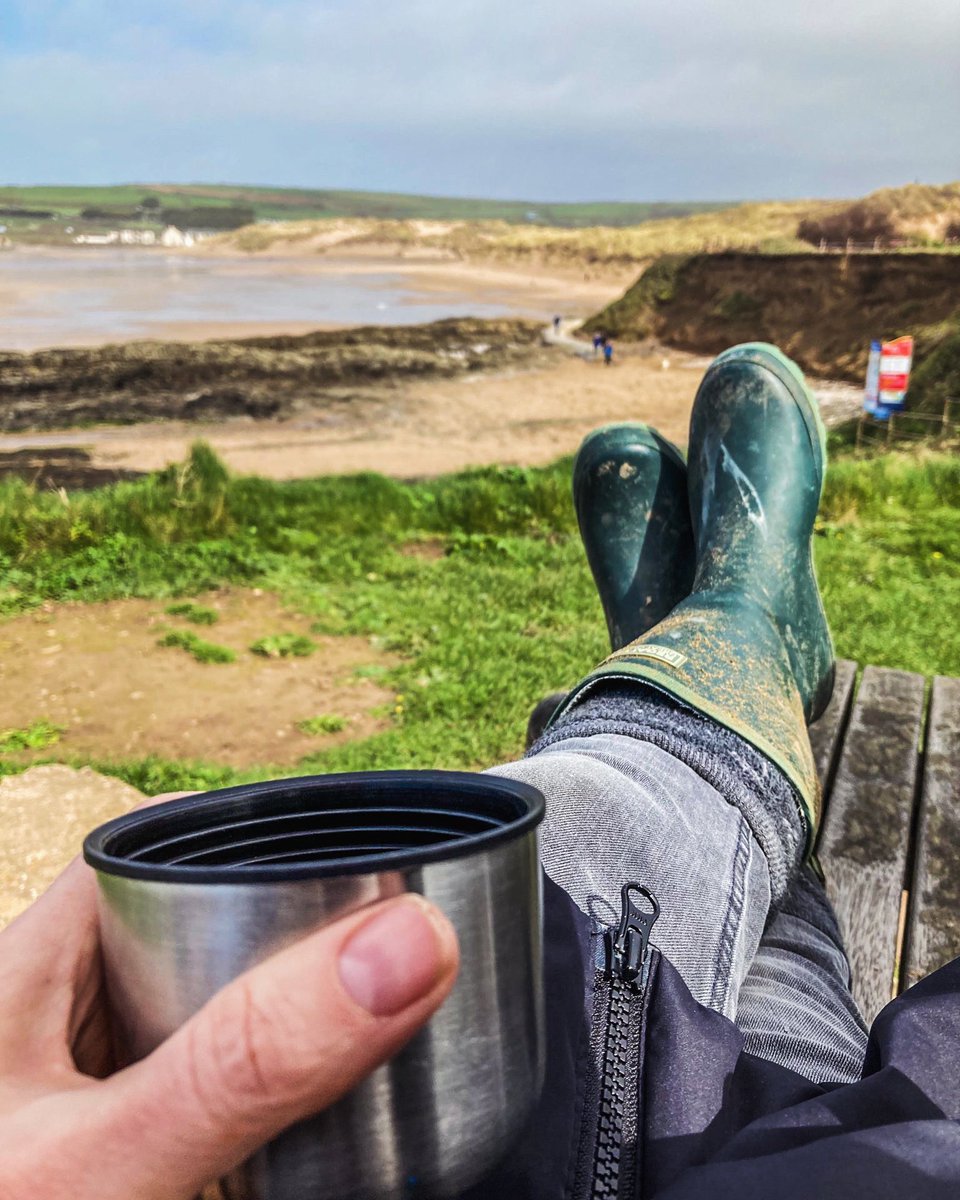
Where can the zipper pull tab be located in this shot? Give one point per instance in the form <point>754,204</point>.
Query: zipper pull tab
<point>629,949</point>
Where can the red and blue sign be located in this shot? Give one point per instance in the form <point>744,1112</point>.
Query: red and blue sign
<point>888,376</point>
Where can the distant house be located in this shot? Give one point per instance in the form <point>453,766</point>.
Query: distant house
<point>138,237</point>
<point>97,239</point>
<point>172,236</point>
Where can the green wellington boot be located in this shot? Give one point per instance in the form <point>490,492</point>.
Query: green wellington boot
<point>749,646</point>
<point>630,493</point>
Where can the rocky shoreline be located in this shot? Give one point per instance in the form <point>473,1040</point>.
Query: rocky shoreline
<point>259,377</point>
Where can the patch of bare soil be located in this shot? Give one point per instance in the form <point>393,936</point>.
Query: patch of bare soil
<point>427,549</point>
<point>96,670</point>
<point>60,466</point>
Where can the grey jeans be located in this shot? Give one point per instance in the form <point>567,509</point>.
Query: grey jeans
<point>621,809</point>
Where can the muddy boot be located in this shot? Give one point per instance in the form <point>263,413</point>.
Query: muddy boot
<point>749,647</point>
<point>630,493</point>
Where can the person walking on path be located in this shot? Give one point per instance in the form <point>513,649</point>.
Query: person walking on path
<point>701,1036</point>
<point>607,352</point>
<point>598,340</point>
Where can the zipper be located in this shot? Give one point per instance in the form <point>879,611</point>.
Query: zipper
<point>627,954</point>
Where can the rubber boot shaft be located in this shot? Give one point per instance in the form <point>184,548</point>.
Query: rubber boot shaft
<point>630,495</point>
<point>749,647</point>
<point>757,463</point>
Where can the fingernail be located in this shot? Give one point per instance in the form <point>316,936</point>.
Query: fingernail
<point>395,958</point>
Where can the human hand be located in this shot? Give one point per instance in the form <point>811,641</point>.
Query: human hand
<point>281,1042</point>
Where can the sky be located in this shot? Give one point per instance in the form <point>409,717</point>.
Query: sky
<point>612,99</point>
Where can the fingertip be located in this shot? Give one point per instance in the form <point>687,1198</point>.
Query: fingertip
<point>442,927</point>
<point>401,955</point>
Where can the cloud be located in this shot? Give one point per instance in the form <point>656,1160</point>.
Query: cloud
<point>616,99</point>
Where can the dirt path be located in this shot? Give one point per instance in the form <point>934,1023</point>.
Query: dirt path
<point>96,673</point>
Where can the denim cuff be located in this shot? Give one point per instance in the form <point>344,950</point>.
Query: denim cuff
<point>740,773</point>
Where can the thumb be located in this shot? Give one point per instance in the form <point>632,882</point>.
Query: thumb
<point>278,1044</point>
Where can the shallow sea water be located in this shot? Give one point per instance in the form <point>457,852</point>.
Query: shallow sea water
<point>90,297</point>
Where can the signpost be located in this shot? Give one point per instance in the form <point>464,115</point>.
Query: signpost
<point>871,393</point>
<point>888,377</point>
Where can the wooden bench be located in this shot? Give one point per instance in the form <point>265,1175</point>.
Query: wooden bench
<point>888,756</point>
<point>889,762</point>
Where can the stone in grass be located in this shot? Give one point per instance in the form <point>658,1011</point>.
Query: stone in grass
<point>46,812</point>
<point>284,645</point>
<point>325,723</point>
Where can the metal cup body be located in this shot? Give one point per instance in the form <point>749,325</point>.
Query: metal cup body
<point>446,1108</point>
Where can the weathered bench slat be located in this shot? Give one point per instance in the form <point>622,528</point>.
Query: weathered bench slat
<point>826,734</point>
<point>933,929</point>
<point>864,845</point>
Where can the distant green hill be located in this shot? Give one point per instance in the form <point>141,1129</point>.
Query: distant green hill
<point>305,203</point>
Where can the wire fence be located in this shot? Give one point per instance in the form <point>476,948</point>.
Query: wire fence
<point>849,246</point>
<point>907,426</point>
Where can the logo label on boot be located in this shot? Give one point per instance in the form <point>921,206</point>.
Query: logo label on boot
<point>662,654</point>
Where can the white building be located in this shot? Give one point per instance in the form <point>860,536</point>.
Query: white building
<point>172,236</point>
<point>97,239</point>
<point>138,237</point>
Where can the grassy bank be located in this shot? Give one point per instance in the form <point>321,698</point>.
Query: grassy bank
<point>823,309</point>
<point>504,613</point>
<point>770,227</point>
<point>913,216</point>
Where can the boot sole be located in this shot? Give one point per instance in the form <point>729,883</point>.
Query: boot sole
<point>773,359</point>
<point>643,434</point>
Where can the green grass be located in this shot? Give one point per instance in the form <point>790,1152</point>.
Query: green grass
<point>325,723</point>
<point>36,736</point>
<point>284,645</point>
<point>479,634</point>
<point>196,614</point>
<point>203,652</point>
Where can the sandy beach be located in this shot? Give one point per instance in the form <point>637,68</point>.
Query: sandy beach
<point>526,413</point>
<point>417,428</point>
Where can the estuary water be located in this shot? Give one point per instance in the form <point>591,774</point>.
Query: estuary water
<point>93,296</point>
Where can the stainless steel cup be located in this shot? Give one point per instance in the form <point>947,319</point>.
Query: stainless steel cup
<point>195,891</point>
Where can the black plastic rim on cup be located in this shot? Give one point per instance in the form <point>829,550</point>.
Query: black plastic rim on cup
<point>315,827</point>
